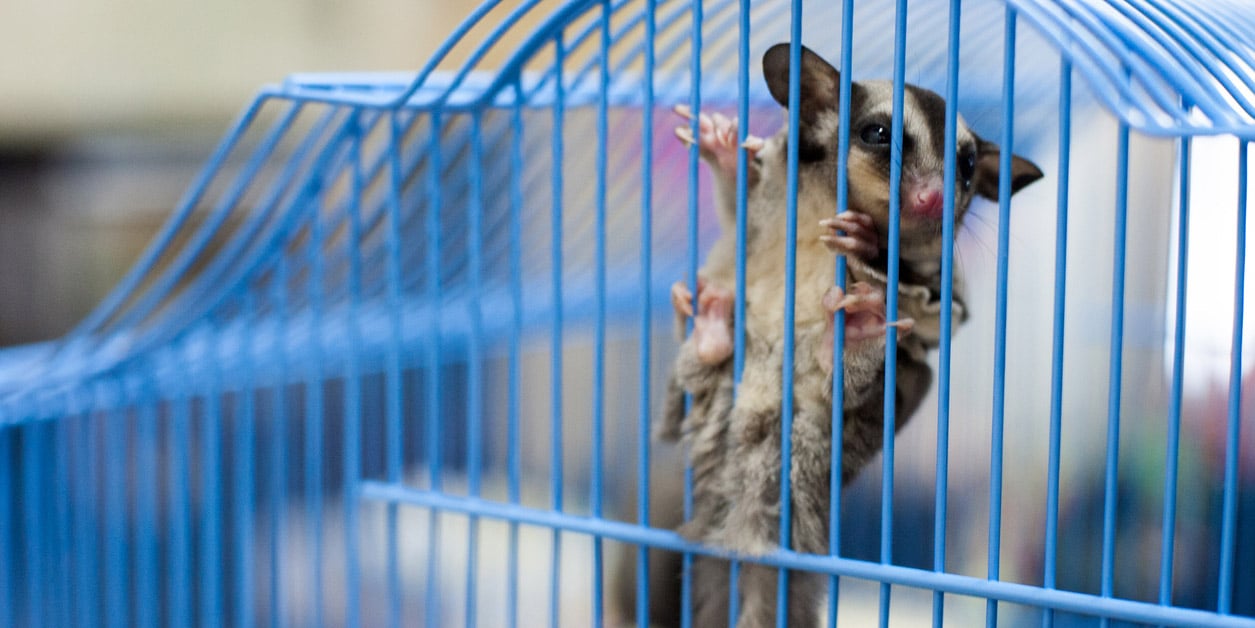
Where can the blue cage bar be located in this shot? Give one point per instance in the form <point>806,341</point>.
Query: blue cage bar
<point>395,356</point>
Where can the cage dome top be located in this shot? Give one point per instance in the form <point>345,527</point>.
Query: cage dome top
<point>1165,67</point>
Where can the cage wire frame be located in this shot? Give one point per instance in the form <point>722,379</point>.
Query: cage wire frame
<point>365,254</point>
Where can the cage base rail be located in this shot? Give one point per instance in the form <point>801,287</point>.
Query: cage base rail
<point>1028,595</point>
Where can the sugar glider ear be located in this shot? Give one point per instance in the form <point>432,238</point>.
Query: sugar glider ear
<point>988,160</point>
<point>820,83</point>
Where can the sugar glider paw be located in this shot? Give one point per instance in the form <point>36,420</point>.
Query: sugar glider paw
<point>682,299</point>
<point>859,239</point>
<point>716,139</point>
<point>864,305</point>
<point>865,324</point>
<point>712,328</point>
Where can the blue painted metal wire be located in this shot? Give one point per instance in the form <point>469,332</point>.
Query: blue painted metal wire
<point>355,299</point>
<point>893,254</point>
<point>1115,382</point>
<point>1060,308</point>
<point>1172,458</point>
<point>1228,530</point>
<point>994,568</point>
<point>947,309</point>
<point>838,322</point>
<point>790,292</point>
<point>643,432</point>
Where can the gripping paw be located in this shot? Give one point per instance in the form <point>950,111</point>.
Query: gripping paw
<point>682,298</point>
<point>859,237</point>
<point>865,325</point>
<point>864,307</point>
<point>712,327</point>
<point>716,139</point>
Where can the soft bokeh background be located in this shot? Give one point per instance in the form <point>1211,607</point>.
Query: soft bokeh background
<point>107,111</point>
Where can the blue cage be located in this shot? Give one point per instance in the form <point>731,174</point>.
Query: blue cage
<point>394,358</point>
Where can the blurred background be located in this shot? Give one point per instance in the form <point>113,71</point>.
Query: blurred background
<point>107,112</point>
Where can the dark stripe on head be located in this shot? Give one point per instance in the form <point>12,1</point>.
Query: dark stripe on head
<point>933,108</point>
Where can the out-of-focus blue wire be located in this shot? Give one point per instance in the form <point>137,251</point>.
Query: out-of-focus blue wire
<point>148,603</point>
<point>947,301</point>
<point>435,199</point>
<point>513,433</point>
<point>1056,379</point>
<point>1110,488</point>
<point>64,494</point>
<point>278,451</point>
<point>117,578</point>
<point>313,430</point>
<point>555,396</point>
<point>86,544</point>
<point>742,179</point>
<point>212,611</point>
<point>647,233</point>
<point>599,316</point>
<point>260,231</point>
<point>178,269</point>
<point>1229,514</point>
<point>8,534</point>
<point>1000,317</point>
<point>738,337</point>
<point>180,576</point>
<point>141,270</point>
<point>475,367</point>
<point>1172,458</point>
<point>395,438</point>
<point>32,471</point>
<point>695,105</point>
<point>352,429</point>
<point>243,474</point>
<point>458,35</point>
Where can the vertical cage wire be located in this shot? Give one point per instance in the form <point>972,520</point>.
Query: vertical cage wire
<point>392,359</point>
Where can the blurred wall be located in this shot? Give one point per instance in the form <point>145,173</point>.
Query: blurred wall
<point>108,110</point>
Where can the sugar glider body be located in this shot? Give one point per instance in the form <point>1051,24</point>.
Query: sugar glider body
<point>735,442</point>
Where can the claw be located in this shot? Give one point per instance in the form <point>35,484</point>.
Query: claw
<point>851,233</point>
<point>753,143</point>
<point>683,111</point>
<point>904,326</point>
<point>681,299</point>
<point>685,134</point>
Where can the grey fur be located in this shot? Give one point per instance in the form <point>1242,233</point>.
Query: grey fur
<point>735,441</point>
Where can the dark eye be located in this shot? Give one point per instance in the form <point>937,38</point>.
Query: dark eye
<point>967,168</point>
<point>874,134</point>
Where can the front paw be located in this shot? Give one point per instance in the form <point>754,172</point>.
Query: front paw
<point>716,138</point>
<point>712,328</point>
<point>851,233</point>
<point>865,315</point>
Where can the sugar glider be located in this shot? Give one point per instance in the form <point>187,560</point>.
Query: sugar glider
<point>741,479</point>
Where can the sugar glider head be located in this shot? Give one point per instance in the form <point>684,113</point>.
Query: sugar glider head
<point>923,159</point>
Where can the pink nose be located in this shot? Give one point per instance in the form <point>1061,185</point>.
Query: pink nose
<point>927,202</point>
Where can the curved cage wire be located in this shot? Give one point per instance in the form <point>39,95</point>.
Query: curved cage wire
<point>395,356</point>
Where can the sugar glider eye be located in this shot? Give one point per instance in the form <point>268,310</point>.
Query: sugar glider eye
<point>874,134</point>
<point>967,167</point>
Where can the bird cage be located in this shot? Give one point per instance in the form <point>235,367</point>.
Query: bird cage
<point>395,357</point>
